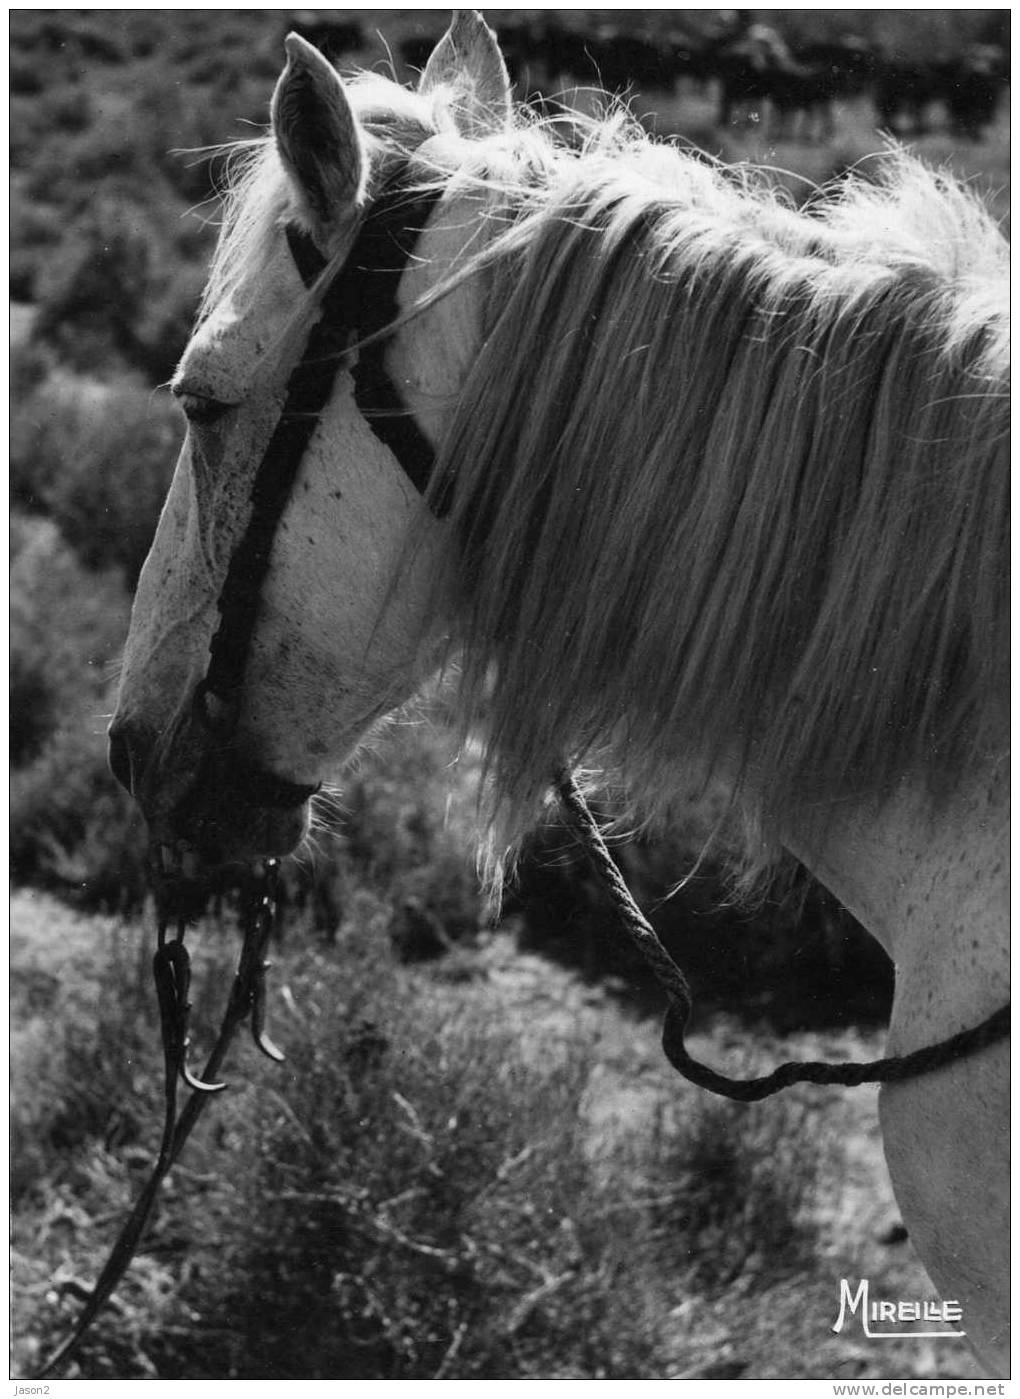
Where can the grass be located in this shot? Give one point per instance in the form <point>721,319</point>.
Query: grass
<point>476,1170</point>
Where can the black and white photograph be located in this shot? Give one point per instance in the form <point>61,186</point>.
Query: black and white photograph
<point>509,697</point>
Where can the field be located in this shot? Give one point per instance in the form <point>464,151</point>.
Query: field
<point>479,1168</point>
<point>475,1162</point>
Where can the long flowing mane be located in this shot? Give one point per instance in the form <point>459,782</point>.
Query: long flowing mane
<point>730,484</point>
<point>729,479</point>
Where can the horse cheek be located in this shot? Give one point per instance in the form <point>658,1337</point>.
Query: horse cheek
<point>165,649</point>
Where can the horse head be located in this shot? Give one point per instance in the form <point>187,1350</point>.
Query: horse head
<point>341,624</point>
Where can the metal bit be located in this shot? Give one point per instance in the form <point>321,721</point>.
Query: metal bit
<point>171,969</point>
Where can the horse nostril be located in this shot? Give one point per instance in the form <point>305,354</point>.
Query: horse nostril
<point>119,757</point>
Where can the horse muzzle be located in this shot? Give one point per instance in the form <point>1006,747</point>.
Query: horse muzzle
<point>207,797</point>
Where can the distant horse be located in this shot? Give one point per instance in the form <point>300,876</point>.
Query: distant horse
<point>689,481</point>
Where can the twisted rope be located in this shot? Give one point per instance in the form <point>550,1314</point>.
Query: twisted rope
<point>678,994</point>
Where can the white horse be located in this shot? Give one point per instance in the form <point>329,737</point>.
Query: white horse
<point>717,485</point>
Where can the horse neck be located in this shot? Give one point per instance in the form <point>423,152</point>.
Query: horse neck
<point>930,883</point>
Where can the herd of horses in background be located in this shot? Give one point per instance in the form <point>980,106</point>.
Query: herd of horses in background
<point>753,74</point>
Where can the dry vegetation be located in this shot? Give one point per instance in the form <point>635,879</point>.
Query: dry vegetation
<point>473,1164</point>
<point>478,1169</point>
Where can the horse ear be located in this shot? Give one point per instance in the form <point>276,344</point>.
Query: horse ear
<point>467,58</point>
<point>317,134</point>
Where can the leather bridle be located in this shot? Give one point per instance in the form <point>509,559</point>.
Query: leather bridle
<point>357,306</point>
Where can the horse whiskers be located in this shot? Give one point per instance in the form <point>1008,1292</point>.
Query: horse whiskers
<point>327,809</point>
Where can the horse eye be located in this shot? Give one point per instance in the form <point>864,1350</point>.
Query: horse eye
<point>307,258</point>
<point>198,408</point>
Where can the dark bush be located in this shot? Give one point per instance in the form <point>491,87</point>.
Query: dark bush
<point>36,230</point>
<point>96,287</point>
<point>69,109</point>
<point>25,78</point>
<point>420,1192</point>
<point>41,431</point>
<point>734,1192</point>
<point>70,623</point>
<point>33,703</point>
<point>99,460</point>
<point>72,828</point>
<point>409,1199</point>
<point>165,322</point>
<point>109,506</point>
<point>31,365</point>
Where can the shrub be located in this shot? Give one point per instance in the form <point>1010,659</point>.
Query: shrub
<point>86,1096</point>
<point>734,1192</point>
<point>41,432</point>
<point>68,109</point>
<point>91,1080</point>
<point>108,504</point>
<point>25,78</point>
<point>72,827</point>
<point>95,286</point>
<point>419,1203</point>
<point>33,703</point>
<point>99,460</point>
<point>31,365</point>
<point>36,230</point>
<point>164,323</point>
<point>402,827</point>
<point>66,630</point>
<point>414,1194</point>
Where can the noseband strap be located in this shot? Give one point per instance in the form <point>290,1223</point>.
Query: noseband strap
<point>360,302</point>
